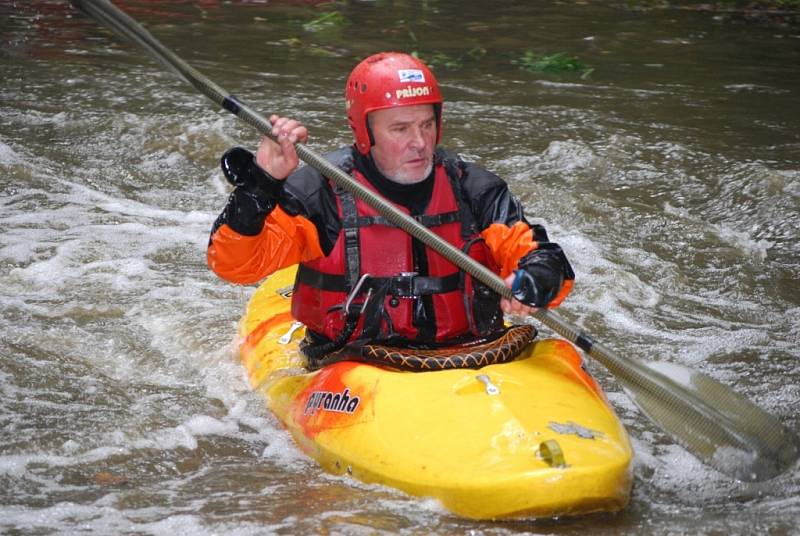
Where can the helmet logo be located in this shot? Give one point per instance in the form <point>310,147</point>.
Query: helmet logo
<point>410,91</point>
<point>411,75</point>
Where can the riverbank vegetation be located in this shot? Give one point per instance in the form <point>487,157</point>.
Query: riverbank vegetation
<point>322,31</point>
<point>557,63</point>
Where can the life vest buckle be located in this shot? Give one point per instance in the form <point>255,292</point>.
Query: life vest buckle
<point>353,293</point>
<point>402,285</point>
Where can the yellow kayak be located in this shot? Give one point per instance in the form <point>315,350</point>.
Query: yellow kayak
<point>534,437</point>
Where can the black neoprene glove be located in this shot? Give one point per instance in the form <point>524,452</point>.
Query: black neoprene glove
<point>539,277</point>
<point>240,168</point>
<point>256,192</point>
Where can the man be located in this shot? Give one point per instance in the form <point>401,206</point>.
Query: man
<point>360,278</point>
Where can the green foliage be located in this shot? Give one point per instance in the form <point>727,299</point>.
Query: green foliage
<point>446,61</point>
<point>330,21</point>
<point>439,59</point>
<point>558,63</point>
<point>436,59</point>
<point>326,20</point>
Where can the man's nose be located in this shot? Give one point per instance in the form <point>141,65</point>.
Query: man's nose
<point>417,138</point>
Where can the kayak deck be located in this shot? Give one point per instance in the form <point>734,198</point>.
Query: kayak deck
<point>534,437</point>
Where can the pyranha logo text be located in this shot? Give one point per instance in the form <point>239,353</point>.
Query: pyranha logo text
<point>336,402</point>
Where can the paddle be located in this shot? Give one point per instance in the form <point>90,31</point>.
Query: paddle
<point>710,420</point>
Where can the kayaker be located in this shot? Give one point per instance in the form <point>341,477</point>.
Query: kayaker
<point>359,276</point>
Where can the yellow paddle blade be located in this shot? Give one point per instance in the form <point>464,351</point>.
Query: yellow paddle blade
<point>718,425</point>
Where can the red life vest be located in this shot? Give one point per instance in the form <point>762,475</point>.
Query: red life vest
<point>368,244</point>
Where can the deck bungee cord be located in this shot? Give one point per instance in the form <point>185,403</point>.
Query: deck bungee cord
<point>503,349</point>
<point>710,420</point>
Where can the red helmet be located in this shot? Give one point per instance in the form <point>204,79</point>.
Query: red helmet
<point>386,80</point>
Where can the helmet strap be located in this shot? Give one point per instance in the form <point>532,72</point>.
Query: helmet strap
<point>369,134</point>
<point>437,113</point>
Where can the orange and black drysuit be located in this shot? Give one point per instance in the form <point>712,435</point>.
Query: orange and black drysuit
<point>412,295</point>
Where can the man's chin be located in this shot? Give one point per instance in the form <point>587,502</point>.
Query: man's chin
<point>411,177</point>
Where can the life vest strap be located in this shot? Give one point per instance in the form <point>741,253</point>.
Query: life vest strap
<point>408,285</point>
<point>428,220</point>
<point>352,245</point>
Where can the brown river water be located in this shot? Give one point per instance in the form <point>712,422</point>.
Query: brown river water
<point>670,174</point>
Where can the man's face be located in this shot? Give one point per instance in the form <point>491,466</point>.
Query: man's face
<point>405,138</point>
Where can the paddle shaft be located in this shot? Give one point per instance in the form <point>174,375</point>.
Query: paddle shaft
<point>699,416</point>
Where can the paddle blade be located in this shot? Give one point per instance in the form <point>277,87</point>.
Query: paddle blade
<point>718,425</point>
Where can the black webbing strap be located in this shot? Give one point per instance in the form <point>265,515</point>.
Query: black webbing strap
<point>404,286</point>
<point>428,220</point>
<point>352,245</point>
<point>453,165</point>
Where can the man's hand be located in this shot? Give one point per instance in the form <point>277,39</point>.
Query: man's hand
<point>280,159</point>
<point>515,307</point>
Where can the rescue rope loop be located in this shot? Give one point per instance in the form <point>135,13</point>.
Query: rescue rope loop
<point>503,349</point>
